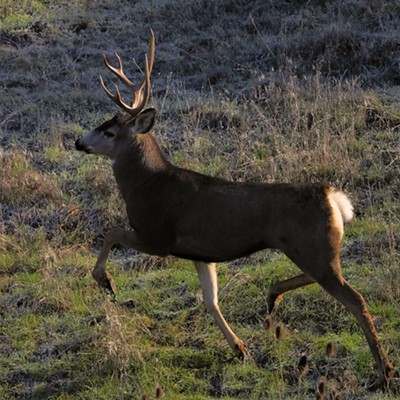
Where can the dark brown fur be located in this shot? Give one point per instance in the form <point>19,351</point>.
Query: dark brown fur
<point>198,217</point>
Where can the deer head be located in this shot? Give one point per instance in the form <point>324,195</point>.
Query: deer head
<point>133,119</point>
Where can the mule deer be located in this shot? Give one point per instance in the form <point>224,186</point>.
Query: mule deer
<point>174,211</point>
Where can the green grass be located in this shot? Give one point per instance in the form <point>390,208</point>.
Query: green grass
<point>285,91</point>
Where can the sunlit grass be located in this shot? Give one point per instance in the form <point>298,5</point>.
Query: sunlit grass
<point>247,103</point>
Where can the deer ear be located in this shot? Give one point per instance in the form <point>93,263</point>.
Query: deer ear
<point>145,120</point>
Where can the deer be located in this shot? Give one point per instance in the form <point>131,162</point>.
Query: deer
<point>178,212</point>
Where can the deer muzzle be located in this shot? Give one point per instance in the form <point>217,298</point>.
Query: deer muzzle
<point>81,147</point>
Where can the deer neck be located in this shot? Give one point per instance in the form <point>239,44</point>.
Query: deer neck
<point>138,161</point>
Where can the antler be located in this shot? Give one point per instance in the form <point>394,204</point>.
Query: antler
<point>140,96</point>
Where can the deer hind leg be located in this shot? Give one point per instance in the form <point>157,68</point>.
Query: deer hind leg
<point>342,291</point>
<point>208,279</point>
<point>328,275</point>
<point>276,290</point>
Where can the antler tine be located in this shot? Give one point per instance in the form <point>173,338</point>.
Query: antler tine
<point>119,72</point>
<point>140,96</point>
<point>152,50</point>
<point>143,94</point>
<point>116,98</point>
<point>109,94</point>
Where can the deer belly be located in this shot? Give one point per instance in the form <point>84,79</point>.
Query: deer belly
<point>216,249</point>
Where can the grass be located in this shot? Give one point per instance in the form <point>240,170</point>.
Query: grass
<point>285,91</point>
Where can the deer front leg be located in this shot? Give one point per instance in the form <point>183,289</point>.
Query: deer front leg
<point>128,239</point>
<point>208,279</point>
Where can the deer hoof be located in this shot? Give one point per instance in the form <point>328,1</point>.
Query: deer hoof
<point>240,350</point>
<point>273,302</point>
<point>106,282</point>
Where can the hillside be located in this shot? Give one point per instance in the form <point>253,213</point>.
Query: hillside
<point>277,91</point>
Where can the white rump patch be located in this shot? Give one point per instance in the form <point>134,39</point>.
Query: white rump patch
<point>341,205</point>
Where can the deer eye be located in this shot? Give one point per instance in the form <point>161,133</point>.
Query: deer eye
<point>109,134</point>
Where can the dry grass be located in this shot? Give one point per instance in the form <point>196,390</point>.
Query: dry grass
<point>278,91</point>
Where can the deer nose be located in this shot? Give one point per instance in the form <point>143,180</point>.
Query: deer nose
<point>82,147</point>
<point>78,145</point>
